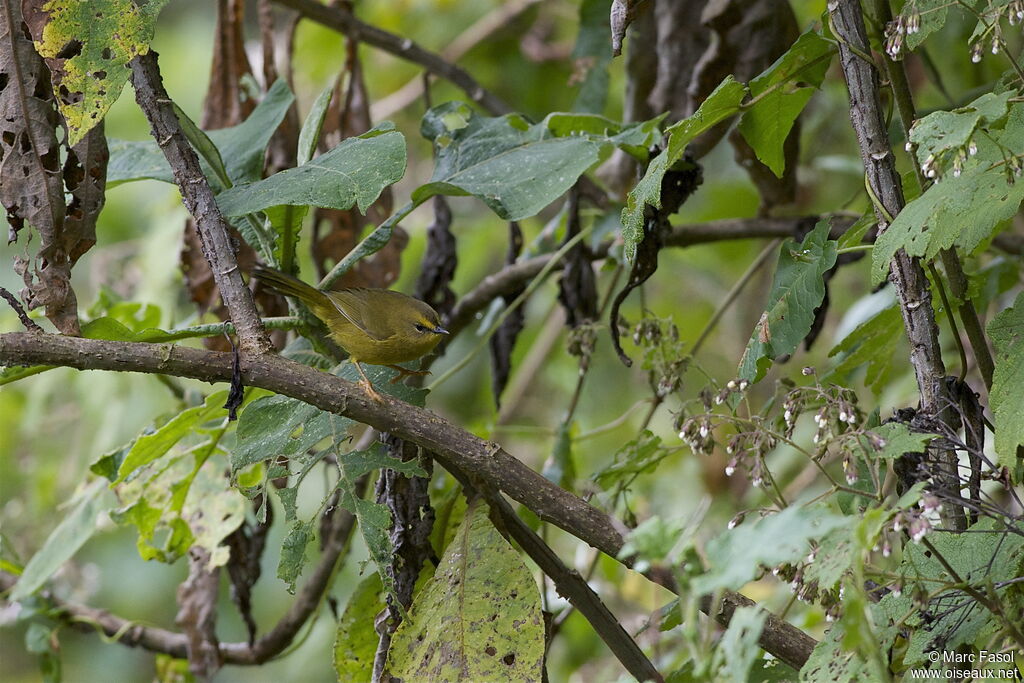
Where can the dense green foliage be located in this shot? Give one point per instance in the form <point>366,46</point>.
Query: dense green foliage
<point>763,439</point>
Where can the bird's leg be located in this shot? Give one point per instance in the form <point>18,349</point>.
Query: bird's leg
<point>365,383</point>
<point>403,372</point>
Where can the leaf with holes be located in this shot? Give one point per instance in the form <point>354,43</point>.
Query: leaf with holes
<point>478,619</point>
<point>962,211</point>
<point>87,46</point>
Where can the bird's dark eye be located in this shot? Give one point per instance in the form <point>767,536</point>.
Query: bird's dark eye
<point>420,328</point>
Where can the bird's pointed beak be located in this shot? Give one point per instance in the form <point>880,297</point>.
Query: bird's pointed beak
<point>439,330</point>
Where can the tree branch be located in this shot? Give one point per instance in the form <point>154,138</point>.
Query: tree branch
<point>199,200</point>
<point>906,274</point>
<point>88,619</point>
<point>343,21</point>
<point>509,278</point>
<point>453,447</point>
<point>576,590</point>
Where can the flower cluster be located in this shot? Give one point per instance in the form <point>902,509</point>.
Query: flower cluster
<point>582,341</point>
<point>664,357</point>
<point>903,25</point>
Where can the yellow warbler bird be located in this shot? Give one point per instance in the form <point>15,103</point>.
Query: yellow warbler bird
<point>375,326</point>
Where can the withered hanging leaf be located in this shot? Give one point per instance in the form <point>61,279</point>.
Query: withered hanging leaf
<point>504,340</point>
<point>577,287</point>
<point>227,103</point>
<point>439,262</point>
<point>676,187</point>
<point>31,187</point>
<point>247,543</point>
<point>336,233</point>
<point>283,147</point>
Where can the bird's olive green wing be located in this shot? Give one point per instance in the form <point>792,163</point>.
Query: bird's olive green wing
<point>366,309</point>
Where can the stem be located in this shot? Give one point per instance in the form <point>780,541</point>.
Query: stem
<point>734,293</point>
<point>486,336</point>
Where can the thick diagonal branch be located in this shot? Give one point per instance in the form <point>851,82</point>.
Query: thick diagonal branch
<point>906,274</point>
<point>453,447</point>
<point>199,200</point>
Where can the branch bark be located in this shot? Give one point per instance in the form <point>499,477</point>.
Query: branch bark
<point>343,21</point>
<point>199,200</point>
<point>906,274</point>
<point>86,619</point>
<point>454,448</point>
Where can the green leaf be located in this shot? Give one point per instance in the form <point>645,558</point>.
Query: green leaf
<point>950,131</point>
<point>149,447</point>
<point>932,17</point>
<point>355,641</point>
<point>560,466</point>
<point>738,647</point>
<point>638,456</point>
<point>591,56</point>
<point>872,344</point>
<point>513,167</point>
<point>720,105</point>
<point>832,559</point>
<point>797,290</point>
<point>314,123</point>
<point>1007,396</point>
<point>767,123</point>
<point>961,211</point>
<point>735,555</point>
<point>208,151</point>
<point>976,558</point>
<point>652,541</point>
<point>108,34</point>
<point>478,619</point>
<point>70,535</point>
<point>352,174</point>
<point>242,147</point>
<point>897,439</point>
<point>293,552</point>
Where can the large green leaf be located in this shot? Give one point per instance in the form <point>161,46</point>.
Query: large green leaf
<point>948,131</point>
<point>1007,396</point>
<point>242,147</point>
<point>73,531</point>
<point>963,210</point>
<point>352,174</point>
<point>149,447</point>
<point>355,642</point>
<point>978,559</point>
<point>798,289</point>
<point>515,168</point>
<point>767,123</point>
<point>106,35</point>
<point>478,619</point>
<point>720,105</point>
<point>735,555</point>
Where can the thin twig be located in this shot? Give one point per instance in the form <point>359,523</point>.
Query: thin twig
<point>343,21</point>
<point>29,324</point>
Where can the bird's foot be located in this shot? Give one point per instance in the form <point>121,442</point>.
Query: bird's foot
<point>365,385</point>
<point>404,372</point>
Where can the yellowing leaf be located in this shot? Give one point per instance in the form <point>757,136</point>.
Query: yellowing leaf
<point>477,619</point>
<point>87,46</point>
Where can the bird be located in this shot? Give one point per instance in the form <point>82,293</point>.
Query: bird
<point>375,326</point>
